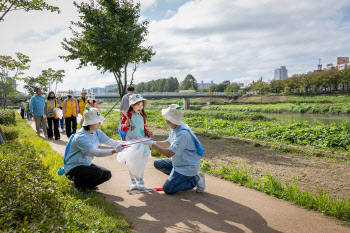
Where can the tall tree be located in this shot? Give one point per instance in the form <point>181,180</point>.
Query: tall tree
<point>53,77</point>
<point>110,37</point>
<point>27,5</point>
<point>189,82</point>
<point>11,69</point>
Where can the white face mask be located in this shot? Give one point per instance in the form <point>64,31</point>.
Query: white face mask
<point>91,101</point>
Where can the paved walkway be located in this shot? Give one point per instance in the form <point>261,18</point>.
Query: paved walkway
<point>224,207</point>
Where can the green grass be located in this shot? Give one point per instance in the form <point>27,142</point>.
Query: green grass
<point>82,213</point>
<point>321,201</point>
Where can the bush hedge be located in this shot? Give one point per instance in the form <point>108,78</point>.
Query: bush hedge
<point>7,117</point>
<point>10,132</point>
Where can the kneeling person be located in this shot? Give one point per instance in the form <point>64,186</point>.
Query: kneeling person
<point>184,154</point>
<point>81,149</point>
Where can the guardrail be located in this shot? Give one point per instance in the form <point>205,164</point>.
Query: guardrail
<point>168,94</point>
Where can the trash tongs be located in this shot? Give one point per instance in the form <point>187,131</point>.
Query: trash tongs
<point>132,126</point>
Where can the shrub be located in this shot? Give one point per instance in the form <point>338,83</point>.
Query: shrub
<point>10,132</point>
<point>30,201</point>
<point>7,117</point>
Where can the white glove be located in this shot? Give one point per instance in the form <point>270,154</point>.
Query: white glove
<point>148,143</point>
<point>120,148</point>
<point>45,117</point>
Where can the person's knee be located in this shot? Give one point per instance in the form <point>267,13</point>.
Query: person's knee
<point>108,175</point>
<point>157,164</point>
<point>167,189</point>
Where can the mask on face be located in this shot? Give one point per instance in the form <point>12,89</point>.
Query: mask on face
<point>52,97</point>
<point>91,101</point>
<point>69,96</point>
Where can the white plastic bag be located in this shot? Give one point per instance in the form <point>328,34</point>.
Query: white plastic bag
<point>79,117</point>
<point>58,112</point>
<point>135,159</point>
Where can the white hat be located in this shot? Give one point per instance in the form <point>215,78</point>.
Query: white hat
<point>173,114</point>
<point>92,116</point>
<point>91,96</point>
<point>84,91</point>
<point>135,98</point>
<point>70,92</point>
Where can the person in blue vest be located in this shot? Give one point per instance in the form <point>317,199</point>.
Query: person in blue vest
<point>83,147</point>
<point>183,152</point>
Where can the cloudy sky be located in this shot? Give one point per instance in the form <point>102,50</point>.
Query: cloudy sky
<point>236,40</point>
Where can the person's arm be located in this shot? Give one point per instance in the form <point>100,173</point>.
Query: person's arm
<point>122,103</point>
<point>164,144</point>
<point>77,108</point>
<point>31,106</point>
<point>101,152</point>
<point>45,109</point>
<point>124,125</point>
<point>64,109</point>
<point>166,152</point>
<point>113,143</point>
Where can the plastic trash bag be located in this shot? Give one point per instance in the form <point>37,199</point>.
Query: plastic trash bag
<point>135,159</point>
<point>58,112</point>
<point>79,117</point>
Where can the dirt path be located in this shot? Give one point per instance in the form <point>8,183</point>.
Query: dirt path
<point>224,207</point>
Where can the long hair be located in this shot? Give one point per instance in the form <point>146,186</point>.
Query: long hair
<point>51,92</point>
<point>143,112</point>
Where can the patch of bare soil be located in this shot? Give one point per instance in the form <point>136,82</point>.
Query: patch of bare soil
<point>311,172</point>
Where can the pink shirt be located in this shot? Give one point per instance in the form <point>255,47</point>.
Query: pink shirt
<point>71,103</point>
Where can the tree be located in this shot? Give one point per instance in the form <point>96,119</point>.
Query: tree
<point>261,87</point>
<point>232,89</point>
<point>27,5</point>
<point>53,77</point>
<point>189,82</point>
<point>109,36</point>
<point>11,70</point>
<point>219,87</point>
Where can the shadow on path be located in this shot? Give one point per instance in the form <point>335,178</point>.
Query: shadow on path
<point>193,212</point>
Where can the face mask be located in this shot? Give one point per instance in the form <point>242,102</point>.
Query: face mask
<point>52,97</point>
<point>69,96</point>
<point>91,101</point>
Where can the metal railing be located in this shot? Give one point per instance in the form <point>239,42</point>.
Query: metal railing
<point>168,94</point>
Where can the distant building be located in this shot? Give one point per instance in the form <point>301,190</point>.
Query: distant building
<point>295,75</point>
<point>330,66</point>
<point>281,73</point>
<point>111,87</point>
<point>97,90</point>
<point>342,60</point>
<point>343,66</point>
<point>239,84</point>
<point>203,85</point>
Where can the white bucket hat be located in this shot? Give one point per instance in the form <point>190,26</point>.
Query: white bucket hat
<point>70,92</point>
<point>92,116</point>
<point>91,96</point>
<point>173,114</point>
<point>84,91</point>
<point>133,99</point>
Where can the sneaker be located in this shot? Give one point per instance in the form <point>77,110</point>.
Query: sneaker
<point>201,183</point>
<point>63,130</point>
<point>142,185</point>
<point>133,184</point>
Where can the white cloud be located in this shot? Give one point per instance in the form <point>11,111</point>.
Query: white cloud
<point>213,40</point>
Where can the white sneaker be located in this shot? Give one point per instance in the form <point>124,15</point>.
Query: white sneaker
<point>133,184</point>
<point>201,183</point>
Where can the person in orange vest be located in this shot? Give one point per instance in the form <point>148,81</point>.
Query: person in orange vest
<point>82,101</point>
<point>92,103</point>
<point>51,116</point>
<point>70,111</point>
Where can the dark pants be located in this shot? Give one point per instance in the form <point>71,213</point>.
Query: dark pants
<point>22,113</point>
<point>176,182</point>
<point>55,128</point>
<point>29,117</point>
<point>71,123</point>
<point>88,177</point>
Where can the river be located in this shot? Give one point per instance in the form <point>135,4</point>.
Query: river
<point>313,119</point>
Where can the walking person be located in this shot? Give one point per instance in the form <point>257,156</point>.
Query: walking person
<point>82,102</point>
<point>70,110</point>
<point>60,104</point>
<point>29,117</point>
<point>51,116</point>
<point>36,108</point>
<point>23,108</point>
<point>83,147</point>
<point>183,152</point>
<point>124,103</point>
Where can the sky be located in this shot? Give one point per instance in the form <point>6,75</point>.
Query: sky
<point>236,40</point>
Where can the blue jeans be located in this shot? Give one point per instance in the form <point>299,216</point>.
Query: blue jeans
<point>176,182</point>
<point>62,123</point>
<point>29,117</point>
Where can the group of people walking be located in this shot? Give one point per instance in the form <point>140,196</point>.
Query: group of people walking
<point>45,112</point>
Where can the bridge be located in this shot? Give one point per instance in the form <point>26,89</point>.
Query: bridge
<point>158,95</point>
